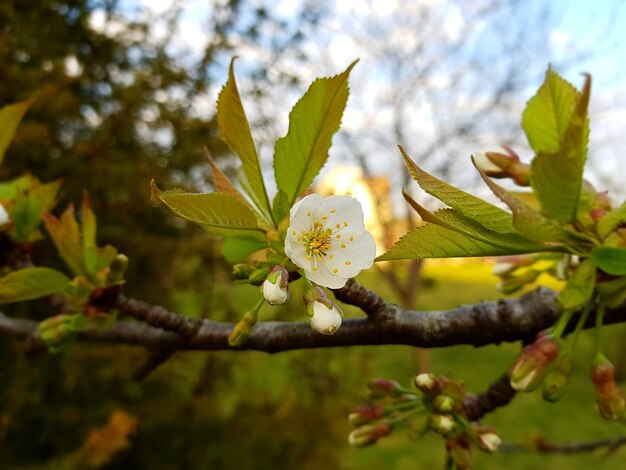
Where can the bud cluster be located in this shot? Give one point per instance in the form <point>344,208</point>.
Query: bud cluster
<point>531,366</point>
<point>609,396</point>
<point>444,399</point>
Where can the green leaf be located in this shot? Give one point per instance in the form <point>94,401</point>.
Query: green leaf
<point>238,249</point>
<point>88,236</point>
<point>454,220</point>
<point>300,155</point>
<point>530,223</point>
<point>26,216</point>
<point>470,206</point>
<point>609,259</point>
<point>65,234</point>
<point>31,283</point>
<point>611,221</point>
<point>434,241</point>
<point>557,169</point>
<point>579,288</point>
<point>10,189</point>
<point>218,213</point>
<point>235,131</point>
<point>548,113</point>
<point>10,117</point>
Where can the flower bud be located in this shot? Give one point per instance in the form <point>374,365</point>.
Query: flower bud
<point>503,165</point>
<point>117,269</point>
<point>610,397</point>
<point>314,293</point>
<point>324,319</point>
<point>242,330</point>
<point>384,388</point>
<point>4,216</point>
<point>258,276</point>
<point>510,284</point>
<point>60,330</point>
<point>443,424</point>
<point>369,434</point>
<point>426,383</point>
<point>444,404</point>
<point>554,386</point>
<point>531,367</point>
<point>488,441</point>
<point>276,287</point>
<point>361,415</point>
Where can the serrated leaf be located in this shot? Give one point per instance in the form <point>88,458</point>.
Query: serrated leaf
<point>300,155</point>
<point>281,205</point>
<point>470,206</point>
<point>530,223</point>
<point>10,117</point>
<point>611,221</point>
<point>65,234</point>
<point>218,213</point>
<point>235,131</point>
<point>454,220</point>
<point>238,249</point>
<point>222,183</point>
<point>579,288</point>
<point>548,113</point>
<point>557,173</point>
<point>31,283</point>
<point>611,260</point>
<point>434,241</point>
<point>10,189</point>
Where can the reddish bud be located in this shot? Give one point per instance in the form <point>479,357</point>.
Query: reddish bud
<point>531,367</point>
<point>384,388</point>
<point>361,415</point>
<point>369,434</point>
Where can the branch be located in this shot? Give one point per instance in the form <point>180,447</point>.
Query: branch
<point>499,394</point>
<point>542,446</point>
<point>486,323</point>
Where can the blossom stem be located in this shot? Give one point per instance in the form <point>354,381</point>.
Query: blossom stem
<point>255,311</point>
<point>561,324</point>
<point>581,322</point>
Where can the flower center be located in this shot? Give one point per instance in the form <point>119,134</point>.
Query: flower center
<point>317,240</point>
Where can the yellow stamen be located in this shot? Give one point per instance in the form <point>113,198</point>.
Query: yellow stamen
<point>348,263</point>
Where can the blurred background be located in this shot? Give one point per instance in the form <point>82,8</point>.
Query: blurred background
<point>126,92</point>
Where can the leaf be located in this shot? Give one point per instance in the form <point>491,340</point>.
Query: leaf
<point>530,223</point>
<point>31,283</point>
<point>218,213</point>
<point>10,117</point>
<point>300,155</point>
<point>88,236</point>
<point>470,206</point>
<point>65,234</point>
<point>238,249</point>
<point>611,221</point>
<point>557,171</point>
<point>579,288</point>
<point>104,257</point>
<point>454,220</point>
<point>611,260</point>
<point>221,181</point>
<point>548,113</point>
<point>10,189</point>
<point>434,241</point>
<point>26,216</point>
<point>235,131</point>
<point>46,193</point>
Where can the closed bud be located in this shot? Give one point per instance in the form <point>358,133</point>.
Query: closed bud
<point>426,383</point>
<point>459,452</point>
<point>444,424</point>
<point>488,441</point>
<point>609,396</point>
<point>242,271</point>
<point>444,404</point>
<point>258,276</point>
<point>384,388</point>
<point>117,269</point>
<point>314,293</point>
<point>60,330</point>
<point>531,367</point>
<point>324,319</point>
<point>276,287</point>
<point>369,434</point>
<point>554,386</point>
<point>365,414</point>
<point>241,332</point>
<point>487,166</point>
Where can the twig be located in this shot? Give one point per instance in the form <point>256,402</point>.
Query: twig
<point>542,446</point>
<point>499,394</point>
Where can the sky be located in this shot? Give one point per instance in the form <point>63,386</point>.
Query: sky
<point>580,36</point>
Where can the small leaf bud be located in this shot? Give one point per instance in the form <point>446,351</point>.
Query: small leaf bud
<point>241,332</point>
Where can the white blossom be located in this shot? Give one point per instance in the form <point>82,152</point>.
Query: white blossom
<point>324,320</point>
<point>4,216</point>
<point>327,238</point>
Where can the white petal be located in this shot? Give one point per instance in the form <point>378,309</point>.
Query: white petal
<point>4,215</point>
<point>322,276</point>
<point>346,214</point>
<point>307,203</point>
<point>325,320</point>
<point>351,257</point>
